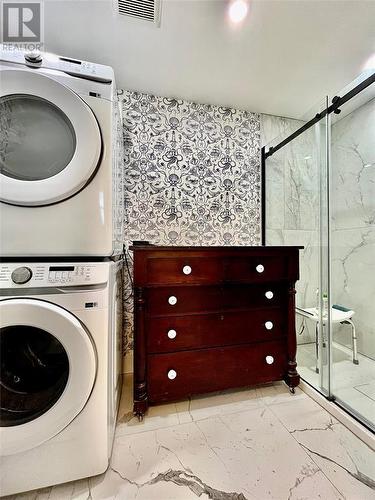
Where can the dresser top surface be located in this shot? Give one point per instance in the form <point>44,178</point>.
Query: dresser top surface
<point>147,247</point>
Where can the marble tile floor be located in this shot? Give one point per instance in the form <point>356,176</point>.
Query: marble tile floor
<point>256,443</point>
<point>353,384</point>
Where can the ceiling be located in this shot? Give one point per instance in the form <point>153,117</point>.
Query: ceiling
<point>282,60</point>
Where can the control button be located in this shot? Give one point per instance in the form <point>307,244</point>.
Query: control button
<point>269,360</point>
<point>21,275</point>
<point>259,268</point>
<point>172,374</point>
<point>186,270</point>
<point>269,294</point>
<point>172,300</point>
<point>268,325</point>
<point>172,334</point>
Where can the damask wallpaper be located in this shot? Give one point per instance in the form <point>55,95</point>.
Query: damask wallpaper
<point>192,175</point>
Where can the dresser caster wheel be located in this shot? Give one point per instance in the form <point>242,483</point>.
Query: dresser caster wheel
<point>292,390</point>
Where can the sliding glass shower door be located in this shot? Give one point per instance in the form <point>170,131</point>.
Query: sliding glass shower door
<point>320,193</point>
<point>352,254</point>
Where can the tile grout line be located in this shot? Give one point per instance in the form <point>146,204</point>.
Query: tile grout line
<point>184,423</point>
<point>307,455</point>
<point>260,399</point>
<point>362,478</point>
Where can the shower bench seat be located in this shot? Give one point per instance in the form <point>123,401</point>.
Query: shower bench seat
<point>337,316</point>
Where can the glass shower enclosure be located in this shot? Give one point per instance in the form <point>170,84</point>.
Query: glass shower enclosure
<point>318,185</point>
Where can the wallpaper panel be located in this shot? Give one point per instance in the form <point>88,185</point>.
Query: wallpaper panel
<point>192,175</point>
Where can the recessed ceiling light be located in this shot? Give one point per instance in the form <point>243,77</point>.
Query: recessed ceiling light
<point>238,10</point>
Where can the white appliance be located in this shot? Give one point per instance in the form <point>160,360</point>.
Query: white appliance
<point>60,165</point>
<point>60,336</point>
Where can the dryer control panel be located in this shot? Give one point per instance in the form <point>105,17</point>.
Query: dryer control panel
<point>74,67</point>
<point>32,275</point>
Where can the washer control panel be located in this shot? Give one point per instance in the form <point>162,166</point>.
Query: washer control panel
<point>31,275</point>
<point>68,274</point>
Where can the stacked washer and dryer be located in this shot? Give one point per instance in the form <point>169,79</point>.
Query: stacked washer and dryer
<point>61,222</point>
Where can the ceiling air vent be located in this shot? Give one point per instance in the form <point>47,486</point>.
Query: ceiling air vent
<point>145,10</point>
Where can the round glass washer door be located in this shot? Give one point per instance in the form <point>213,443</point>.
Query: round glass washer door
<point>48,369</point>
<point>50,141</point>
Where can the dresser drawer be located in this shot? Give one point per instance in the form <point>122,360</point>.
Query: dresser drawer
<point>190,299</point>
<point>175,333</point>
<point>184,270</point>
<point>182,374</point>
<point>256,269</point>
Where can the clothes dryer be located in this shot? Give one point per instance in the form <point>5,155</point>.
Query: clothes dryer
<point>60,157</point>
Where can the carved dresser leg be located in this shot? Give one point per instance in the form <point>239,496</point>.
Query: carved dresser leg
<point>292,377</point>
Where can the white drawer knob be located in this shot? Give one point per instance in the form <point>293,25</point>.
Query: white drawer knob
<point>186,269</point>
<point>172,374</point>
<point>269,294</point>
<point>259,268</point>
<point>172,334</point>
<point>269,360</point>
<point>172,300</point>
<point>268,325</point>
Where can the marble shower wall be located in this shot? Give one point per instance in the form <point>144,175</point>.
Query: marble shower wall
<point>353,223</point>
<point>292,201</point>
<point>192,176</point>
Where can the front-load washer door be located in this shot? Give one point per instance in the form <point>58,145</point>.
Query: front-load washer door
<point>50,141</point>
<point>48,370</point>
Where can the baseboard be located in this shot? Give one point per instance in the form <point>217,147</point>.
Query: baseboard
<point>353,425</point>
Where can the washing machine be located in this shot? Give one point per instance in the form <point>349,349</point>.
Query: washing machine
<point>60,157</point>
<point>60,341</point>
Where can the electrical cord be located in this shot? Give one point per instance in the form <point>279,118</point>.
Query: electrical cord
<point>127,265</point>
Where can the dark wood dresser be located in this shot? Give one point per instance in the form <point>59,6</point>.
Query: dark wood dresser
<point>212,318</point>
